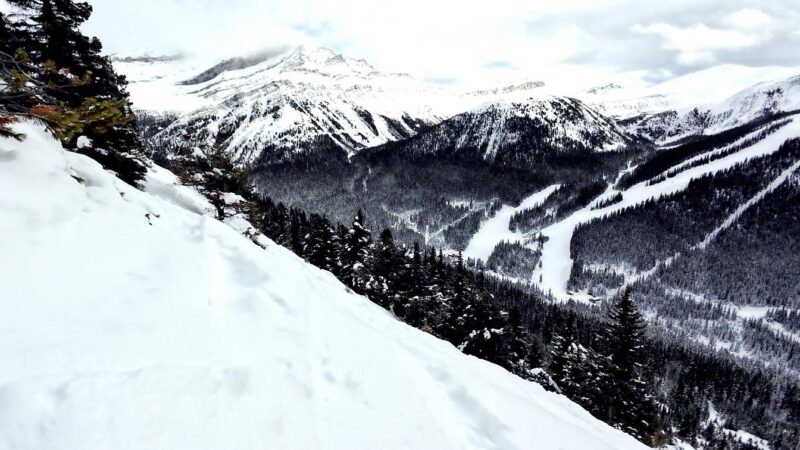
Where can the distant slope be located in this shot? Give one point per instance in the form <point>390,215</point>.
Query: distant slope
<point>130,320</point>
<point>748,105</point>
<point>519,133</point>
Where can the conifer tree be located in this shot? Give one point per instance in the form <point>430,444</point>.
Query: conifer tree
<point>282,226</point>
<point>630,405</point>
<point>356,253</point>
<point>297,223</point>
<point>68,84</point>
<point>560,360</point>
<point>321,247</point>
<point>384,270</point>
<point>522,352</point>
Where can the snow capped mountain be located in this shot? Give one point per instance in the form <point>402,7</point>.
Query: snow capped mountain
<point>521,131</point>
<point>134,320</point>
<point>758,101</point>
<point>681,94</point>
<point>304,100</point>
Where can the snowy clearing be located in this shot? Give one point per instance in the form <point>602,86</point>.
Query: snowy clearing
<point>495,230</point>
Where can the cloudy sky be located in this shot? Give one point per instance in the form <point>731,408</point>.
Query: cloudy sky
<point>455,42</point>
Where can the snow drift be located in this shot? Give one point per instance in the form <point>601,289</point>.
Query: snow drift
<point>131,320</point>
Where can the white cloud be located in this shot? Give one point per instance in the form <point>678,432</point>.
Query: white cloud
<point>696,45</point>
<point>466,41</point>
<point>748,18</point>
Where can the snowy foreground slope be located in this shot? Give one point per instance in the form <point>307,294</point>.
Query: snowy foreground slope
<point>130,320</point>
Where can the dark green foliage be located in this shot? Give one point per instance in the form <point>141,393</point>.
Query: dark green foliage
<point>674,224</point>
<point>513,260</point>
<point>69,85</point>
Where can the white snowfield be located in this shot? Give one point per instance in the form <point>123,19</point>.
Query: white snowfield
<point>130,320</point>
<point>704,89</point>
<point>556,259</point>
<point>496,229</point>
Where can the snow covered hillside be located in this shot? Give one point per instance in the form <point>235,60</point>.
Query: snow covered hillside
<point>132,320</point>
<point>519,133</point>
<point>745,106</point>
<point>704,102</point>
<point>683,93</point>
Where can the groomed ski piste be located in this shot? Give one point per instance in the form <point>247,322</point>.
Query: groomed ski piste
<point>496,229</point>
<point>133,320</point>
<point>556,263</point>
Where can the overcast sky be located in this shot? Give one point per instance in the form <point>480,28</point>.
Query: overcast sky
<point>454,41</point>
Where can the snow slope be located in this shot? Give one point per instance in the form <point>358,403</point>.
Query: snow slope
<point>131,320</point>
<point>683,93</point>
<point>153,83</point>
<point>556,260</point>
<point>496,229</point>
<point>670,123</point>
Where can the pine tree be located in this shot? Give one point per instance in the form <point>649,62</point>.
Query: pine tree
<point>282,226</point>
<point>561,343</point>
<point>70,86</point>
<point>356,253</point>
<point>384,270</point>
<point>522,353</point>
<point>630,405</point>
<point>297,225</point>
<point>322,243</point>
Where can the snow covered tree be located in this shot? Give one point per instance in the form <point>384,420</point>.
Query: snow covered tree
<point>297,223</point>
<point>355,255</point>
<point>523,354</point>
<point>629,403</point>
<point>385,262</point>
<point>322,245</point>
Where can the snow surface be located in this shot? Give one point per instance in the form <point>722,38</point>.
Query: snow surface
<point>556,261</point>
<point>496,229</point>
<point>153,85</point>
<point>704,87</point>
<point>131,320</point>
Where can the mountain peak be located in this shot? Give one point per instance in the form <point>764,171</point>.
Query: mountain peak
<point>324,60</point>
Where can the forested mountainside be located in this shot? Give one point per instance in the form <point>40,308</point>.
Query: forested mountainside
<point>133,318</point>
<point>438,186</point>
<point>692,387</point>
<point>516,134</point>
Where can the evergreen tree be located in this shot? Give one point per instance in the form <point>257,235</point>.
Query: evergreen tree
<point>522,352</point>
<point>384,270</point>
<point>297,225</point>
<point>560,345</point>
<point>321,247</point>
<point>282,226</point>
<point>630,405</point>
<point>356,253</point>
<point>68,85</point>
